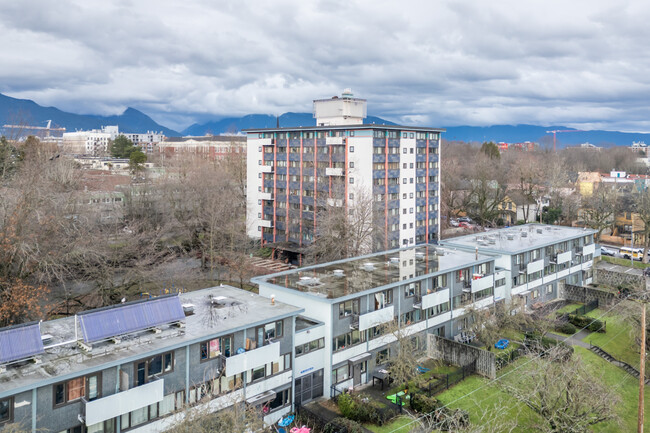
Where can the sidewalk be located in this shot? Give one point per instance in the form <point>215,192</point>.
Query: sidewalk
<point>574,340</point>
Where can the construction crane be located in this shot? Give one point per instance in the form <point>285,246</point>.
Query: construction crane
<point>47,128</point>
<point>560,130</point>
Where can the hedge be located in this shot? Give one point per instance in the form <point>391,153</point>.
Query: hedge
<point>589,323</point>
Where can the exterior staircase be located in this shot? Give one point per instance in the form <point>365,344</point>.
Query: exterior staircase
<point>624,365</point>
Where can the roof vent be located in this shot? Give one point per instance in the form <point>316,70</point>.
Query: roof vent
<point>524,234</point>
<point>540,231</point>
<point>510,236</point>
<point>368,267</point>
<point>338,273</point>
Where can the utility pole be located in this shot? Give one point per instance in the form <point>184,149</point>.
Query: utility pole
<point>642,370</point>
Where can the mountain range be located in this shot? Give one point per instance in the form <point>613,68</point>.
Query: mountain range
<point>28,112</point>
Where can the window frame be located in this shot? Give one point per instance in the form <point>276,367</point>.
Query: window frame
<point>65,385</point>
<point>10,410</point>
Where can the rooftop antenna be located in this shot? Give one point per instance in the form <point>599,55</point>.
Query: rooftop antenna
<point>277,121</point>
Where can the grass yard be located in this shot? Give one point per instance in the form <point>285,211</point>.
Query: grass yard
<point>617,341</point>
<point>569,308</point>
<point>482,402</point>
<point>624,262</point>
<point>627,387</point>
<point>399,424</point>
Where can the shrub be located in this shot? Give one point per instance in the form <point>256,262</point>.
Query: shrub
<point>342,424</point>
<point>423,404</point>
<point>567,328</point>
<point>593,325</point>
<point>451,419</point>
<point>353,408</point>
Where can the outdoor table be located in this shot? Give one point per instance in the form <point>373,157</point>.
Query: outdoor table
<point>380,375</point>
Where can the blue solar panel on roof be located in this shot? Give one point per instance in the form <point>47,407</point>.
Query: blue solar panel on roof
<point>20,342</point>
<point>124,319</point>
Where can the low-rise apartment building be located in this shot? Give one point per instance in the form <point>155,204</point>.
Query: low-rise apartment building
<point>113,369</point>
<point>533,260</point>
<point>422,289</point>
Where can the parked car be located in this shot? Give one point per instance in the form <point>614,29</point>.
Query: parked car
<point>605,251</point>
<point>465,225</point>
<point>453,223</point>
<point>464,220</point>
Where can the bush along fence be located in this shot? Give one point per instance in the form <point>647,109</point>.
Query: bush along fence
<point>460,354</point>
<point>588,323</point>
<point>334,425</point>
<point>505,358</point>
<point>441,382</point>
<point>584,309</point>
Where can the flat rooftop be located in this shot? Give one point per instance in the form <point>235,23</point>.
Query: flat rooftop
<point>517,239</point>
<point>346,277</point>
<point>239,310</point>
<point>350,126</point>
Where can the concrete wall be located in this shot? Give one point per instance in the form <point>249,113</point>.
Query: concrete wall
<point>586,294</point>
<point>607,277</point>
<point>461,354</point>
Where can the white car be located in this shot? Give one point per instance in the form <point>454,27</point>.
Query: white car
<point>605,251</point>
<point>453,223</point>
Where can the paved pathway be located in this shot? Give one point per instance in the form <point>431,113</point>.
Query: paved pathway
<point>574,340</point>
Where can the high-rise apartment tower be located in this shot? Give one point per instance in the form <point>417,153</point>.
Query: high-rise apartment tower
<point>295,172</point>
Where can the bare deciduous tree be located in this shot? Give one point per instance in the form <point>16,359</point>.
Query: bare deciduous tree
<point>599,209</point>
<point>566,396</point>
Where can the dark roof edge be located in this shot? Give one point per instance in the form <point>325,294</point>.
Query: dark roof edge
<point>363,126</point>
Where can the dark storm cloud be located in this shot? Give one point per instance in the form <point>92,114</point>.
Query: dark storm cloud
<point>440,63</point>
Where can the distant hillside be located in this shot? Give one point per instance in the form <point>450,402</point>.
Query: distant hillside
<point>520,133</point>
<point>236,124</point>
<point>25,111</point>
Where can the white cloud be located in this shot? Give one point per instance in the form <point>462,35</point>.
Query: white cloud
<point>440,63</point>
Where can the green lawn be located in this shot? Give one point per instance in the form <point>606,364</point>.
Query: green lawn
<point>617,341</point>
<point>569,308</point>
<point>624,262</point>
<point>627,387</point>
<point>399,424</point>
<point>484,400</point>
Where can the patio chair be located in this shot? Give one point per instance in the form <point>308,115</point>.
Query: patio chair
<point>422,370</point>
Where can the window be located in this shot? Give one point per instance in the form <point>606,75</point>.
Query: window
<point>438,309</point>
<point>351,149</point>
<point>351,180</point>
<point>282,399</point>
<point>312,346</point>
<point>340,374</point>
<point>411,317</point>
<point>344,341</point>
<point>351,164</point>
<point>157,365</point>
<point>213,348</point>
<point>348,307</point>
<point>74,389</point>
<point>259,373</point>
<point>382,357</point>
<point>268,332</point>
<point>500,282</point>
<point>383,299</point>
<point>6,410</point>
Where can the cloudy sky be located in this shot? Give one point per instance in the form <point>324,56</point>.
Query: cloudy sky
<point>439,63</point>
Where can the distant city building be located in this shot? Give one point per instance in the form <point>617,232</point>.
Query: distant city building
<point>211,147</point>
<point>293,172</point>
<point>586,146</point>
<point>639,146</point>
<point>521,146</point>
<point>95,142</point>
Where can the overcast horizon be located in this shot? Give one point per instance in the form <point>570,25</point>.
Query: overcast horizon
<point>580,64</point>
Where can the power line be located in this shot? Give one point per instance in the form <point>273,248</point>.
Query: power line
<point>539,355</point>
